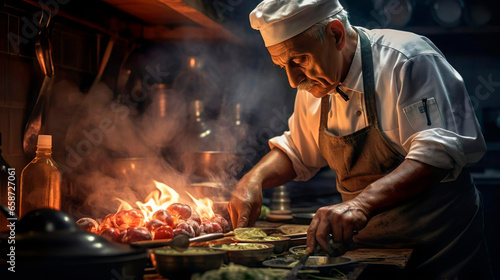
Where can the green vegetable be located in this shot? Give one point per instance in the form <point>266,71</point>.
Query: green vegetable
<point>243,246</point>
<point>239,272</point>
<point>253,234</point>
<point>264,210</point>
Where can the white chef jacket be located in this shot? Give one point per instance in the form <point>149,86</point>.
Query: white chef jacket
<point>407,69</point>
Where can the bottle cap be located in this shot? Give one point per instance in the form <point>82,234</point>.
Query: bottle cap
<point>44,141</point>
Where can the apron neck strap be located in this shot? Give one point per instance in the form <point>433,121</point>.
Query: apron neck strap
<point>368,85</point>
<point>368,77</point>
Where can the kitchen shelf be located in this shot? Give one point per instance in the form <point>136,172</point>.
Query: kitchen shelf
<point>176,20</point>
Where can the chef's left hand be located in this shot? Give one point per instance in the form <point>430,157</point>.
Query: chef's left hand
<point>340,220</point>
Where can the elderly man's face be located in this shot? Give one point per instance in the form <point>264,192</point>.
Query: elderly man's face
<point>310,64</point>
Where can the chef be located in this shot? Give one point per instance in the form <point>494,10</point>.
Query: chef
<point>387,112</point>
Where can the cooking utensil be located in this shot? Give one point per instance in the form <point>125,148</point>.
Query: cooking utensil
<point>104,60</point>
<point>172,264</point>
<point>247,257</point>
<point>179,243</point>
<point>123,72</point>
<point>295,270</point>
<point>37,120</point>
<point>323,264</point>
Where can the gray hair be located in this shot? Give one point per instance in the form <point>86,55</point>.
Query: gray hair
<point>318,30</point>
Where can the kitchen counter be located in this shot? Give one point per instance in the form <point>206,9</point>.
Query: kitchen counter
<point>369,263</point>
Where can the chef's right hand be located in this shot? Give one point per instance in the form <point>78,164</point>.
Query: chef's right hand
<point>246,201</point>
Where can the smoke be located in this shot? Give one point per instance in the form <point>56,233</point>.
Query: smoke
<point>114,144</point>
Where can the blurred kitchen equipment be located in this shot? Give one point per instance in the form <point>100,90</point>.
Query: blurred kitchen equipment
<point>303,218</point>
<point>37,122</point>
<point>176,265</point>
<point>215,163</point>
<point>447,13</point>
<point>394,13</point>
<point>124,72</point>
<point>478,13</point>
<point>49,245</point>
<point>280,201</point>
<point>104,60</point>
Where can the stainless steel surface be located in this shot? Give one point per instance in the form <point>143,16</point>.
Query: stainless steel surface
<point>247,257</point>
<point>280,201</point>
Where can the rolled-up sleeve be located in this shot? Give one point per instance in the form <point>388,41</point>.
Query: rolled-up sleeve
<point>438,125</point>
<point>300,142</point>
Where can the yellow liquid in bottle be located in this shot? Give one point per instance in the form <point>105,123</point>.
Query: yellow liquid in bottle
<point>40,183</point>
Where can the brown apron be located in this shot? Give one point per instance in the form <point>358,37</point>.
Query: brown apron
<point>445,242</point>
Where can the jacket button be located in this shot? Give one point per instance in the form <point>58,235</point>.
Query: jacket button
<point>358,113</point>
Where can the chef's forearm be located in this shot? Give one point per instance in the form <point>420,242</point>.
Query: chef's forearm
<point>274,169</point>
<point>405,182</point>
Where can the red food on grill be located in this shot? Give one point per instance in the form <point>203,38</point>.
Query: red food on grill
<point>113,234</point>
<point>184,228</point>
<point>164,216</point>
<point>107,222</point>
<point>163,232</point>
<point>216,228</point>
<point>180,209</point>
<point>222,222</point>
<point>206,227</point>
<point>129,218</point>
<point>195,217</point>
<point>88,224</point>
<point>133,234</point>
<point>195,225</point>
<point>154,224</point>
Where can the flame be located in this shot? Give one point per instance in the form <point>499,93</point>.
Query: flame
<point>203,207</point>
<point>162,197</point>
<point>192,62</point>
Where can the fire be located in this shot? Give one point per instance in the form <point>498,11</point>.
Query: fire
<point>161,216</point>
<point>203,207</point>
<point>164,196</point>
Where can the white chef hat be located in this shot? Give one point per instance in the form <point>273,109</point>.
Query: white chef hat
<point>280,20</point>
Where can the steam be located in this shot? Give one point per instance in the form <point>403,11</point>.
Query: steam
<point>110,147</point>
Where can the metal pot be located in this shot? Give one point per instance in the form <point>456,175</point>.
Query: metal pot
<point>211,164</point>
<point>49,245</point>
<point>182,265</point>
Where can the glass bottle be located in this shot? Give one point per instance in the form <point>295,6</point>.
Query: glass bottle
<point>41,180</point>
